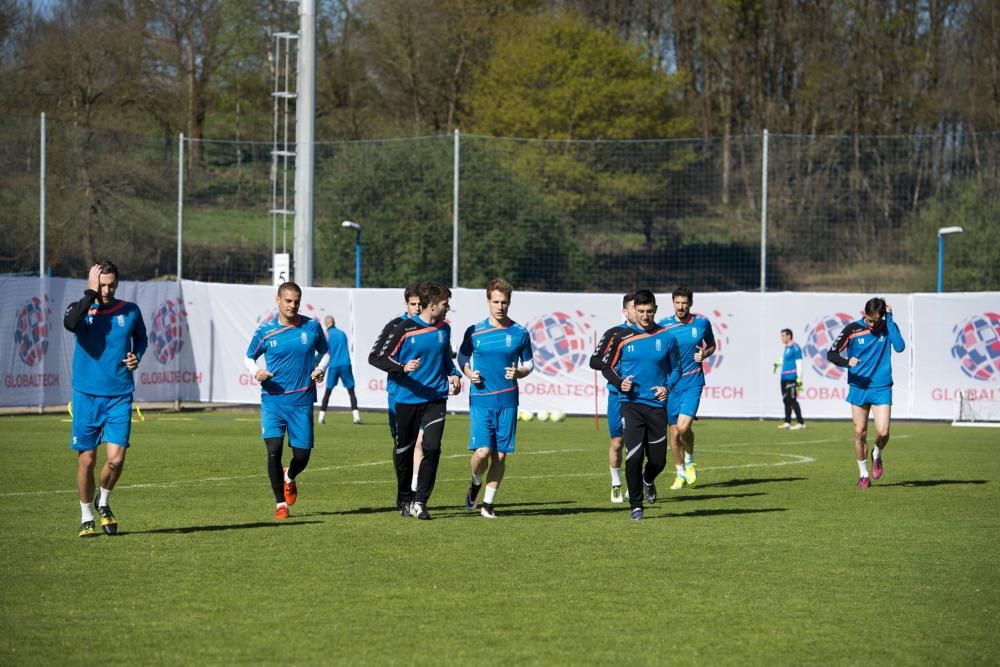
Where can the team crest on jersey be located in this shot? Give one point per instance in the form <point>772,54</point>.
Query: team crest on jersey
<point>659,345</point>
<point>861,341</point>
<point>440,336</point>
<point>507,340</point>
<point>121,320</point>
<point>303,338</point>
<point>694,332</point>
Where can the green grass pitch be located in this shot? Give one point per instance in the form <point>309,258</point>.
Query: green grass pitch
<point>774,558</point>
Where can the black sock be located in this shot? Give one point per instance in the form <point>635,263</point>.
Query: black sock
<point>274,472</point>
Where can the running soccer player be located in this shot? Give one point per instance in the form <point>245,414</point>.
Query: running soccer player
<point>339,370</point>
<point>643,363</point>
<point>614,401</point>
<point>110,339</point>
<point>494,355</point>
<point>696,343</point>
<point>288,343</point>
<point>865,347</point>
<point>791,381</point>
<point>419,351</point>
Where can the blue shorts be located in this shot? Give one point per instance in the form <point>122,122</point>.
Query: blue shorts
<point>614,414</point>
<point>336,374</point>
<point>98,419</point>
<point>683,401</point>
<point>871,396</point>
<point>493,428</point>
<point>297,420</point>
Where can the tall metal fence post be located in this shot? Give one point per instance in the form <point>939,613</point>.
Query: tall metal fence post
<point>763,216</point>
<point>180,206</point>
<point>41,199</point>
<point>454,233</point>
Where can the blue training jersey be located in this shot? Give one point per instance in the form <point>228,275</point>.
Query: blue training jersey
<point>103,338</point>
<point>691,336</point>
<point>651,358</point>
<point>289,352</point>
<point>872,348</point>
<point>792,353</point>
<point>340,354</point>
<point>406,339</point>
<point>491,349</point>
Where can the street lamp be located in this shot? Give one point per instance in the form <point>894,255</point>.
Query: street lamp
<point>941,234</point>
<point>357,249</point>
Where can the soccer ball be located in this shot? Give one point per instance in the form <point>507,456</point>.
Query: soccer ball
<point>557,416</point>
<point>525,415</point>
<point>542,416</point>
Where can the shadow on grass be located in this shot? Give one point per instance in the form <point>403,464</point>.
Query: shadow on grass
<point>444,510</point>
<point>747,481</point>
<point>217,528</point>
<point>720,512</point>
<point>935,482</point>
<point>705,496</point>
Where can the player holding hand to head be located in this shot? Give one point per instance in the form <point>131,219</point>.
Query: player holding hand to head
<point>643,363</point>
<point>110,339</point>
<point>288,344</point>
<point>494,355</point>
<point>865,347</point>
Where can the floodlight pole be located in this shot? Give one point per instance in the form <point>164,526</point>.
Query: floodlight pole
<point>357,250</point>
<point>942,232</point>
<point>305,133</point>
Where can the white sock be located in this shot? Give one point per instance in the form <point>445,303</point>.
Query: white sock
<point>680,470</point>
<point>103,500</point>
<point>476,479</point>
<point>357,415</point>
<point>876,453</point>
<point>863,467</point>
<point>616,477</point>
<point>285,505</point>
<point>86,512</point>
<point>413,482</point>
<point>288,480</point>
<point>688,458</point>
<point>491,492</point>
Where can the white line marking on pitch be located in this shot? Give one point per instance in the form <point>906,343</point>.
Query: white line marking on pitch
<point>793,459</point>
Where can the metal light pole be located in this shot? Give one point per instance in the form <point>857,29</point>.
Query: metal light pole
<point>941,234</point>
<point>357,249</point>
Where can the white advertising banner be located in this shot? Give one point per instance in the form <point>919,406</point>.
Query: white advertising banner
<point>199,333</point>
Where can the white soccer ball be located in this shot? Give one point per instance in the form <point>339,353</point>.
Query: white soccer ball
<point>525,416</point>
<point>542,416</point>
<point>557,416</point>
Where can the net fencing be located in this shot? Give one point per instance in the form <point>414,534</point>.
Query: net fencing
<point>842,213</point>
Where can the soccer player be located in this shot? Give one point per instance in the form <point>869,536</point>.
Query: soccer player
<point>339,370</point>
<point>614,401</point>
<point>288,344</point>
<point>643,363</point>
<point>110,339</point>
<point>696,343</point>
<point>864,347</point>
<point>791,381</point>
<point>412,300</point>
<point>494,355</point>
<point>419,351</point>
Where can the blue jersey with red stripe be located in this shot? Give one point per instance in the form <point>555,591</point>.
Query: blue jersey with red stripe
<point>792,353</point>
<point>340,353</point>
<point>289,352</point>
<point>650,357</point>
<point>872,348</point>
<point>691,336</point>
<point>103,338</point>
<point>404,340</point>
<point>491,349</point>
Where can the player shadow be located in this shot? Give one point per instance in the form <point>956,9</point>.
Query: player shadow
<point>546,509</point>
<point>718,512</point>
<point>747,481</point>
<point>705,496</point>
<point>912,483</point>
<point>183,530</point>
<point>442,511</point>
